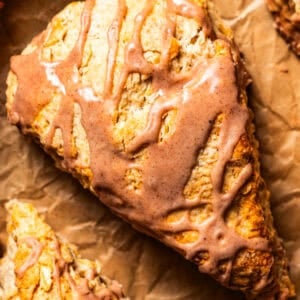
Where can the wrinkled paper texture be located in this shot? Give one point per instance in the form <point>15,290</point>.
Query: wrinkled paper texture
<point>147,269</point>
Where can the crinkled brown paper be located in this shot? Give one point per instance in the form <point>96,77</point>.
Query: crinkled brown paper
<point>147,269</point>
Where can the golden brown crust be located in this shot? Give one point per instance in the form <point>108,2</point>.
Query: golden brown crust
<point>248,215</point>
<point>287,19</point>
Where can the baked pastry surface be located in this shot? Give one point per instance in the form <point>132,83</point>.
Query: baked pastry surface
<point>39,265</point>
<point>287,19</point>
<point>145,104</point>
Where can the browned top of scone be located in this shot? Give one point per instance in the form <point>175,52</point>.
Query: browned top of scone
<point>145,103</point>
<point>287,19</point>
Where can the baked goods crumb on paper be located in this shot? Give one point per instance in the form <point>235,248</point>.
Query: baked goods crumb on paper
<point>39,265</point>
<point>166,264</point>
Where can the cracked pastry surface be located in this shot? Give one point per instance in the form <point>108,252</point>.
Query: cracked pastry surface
<point>146,106</point>
<point>287,20</point>
<point>39,265</point>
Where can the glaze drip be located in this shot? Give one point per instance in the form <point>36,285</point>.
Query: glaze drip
<point>199,96</point>
<point>81,290</point>
<point>36,250</point>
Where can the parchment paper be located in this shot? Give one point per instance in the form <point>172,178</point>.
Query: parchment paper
<point>147,269</point>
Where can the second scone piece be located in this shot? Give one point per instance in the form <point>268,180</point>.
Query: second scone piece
<point>38,265</point>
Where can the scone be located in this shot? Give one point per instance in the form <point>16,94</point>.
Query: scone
<point>144,102</point>
<point>287,19</point>
<point>40,266</point>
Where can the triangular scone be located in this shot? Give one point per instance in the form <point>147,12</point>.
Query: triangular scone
<point>144,102</point>
<point>287,19</point>
<point>40,266</point>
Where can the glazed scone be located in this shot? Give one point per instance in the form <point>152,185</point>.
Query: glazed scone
<point>287,19</point>
<point>144,102</point>
<point>38,265</point>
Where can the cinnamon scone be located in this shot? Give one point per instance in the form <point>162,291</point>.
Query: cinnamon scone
<point>39,265</point>
<point>287,20</point>
<point>145,103</point>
